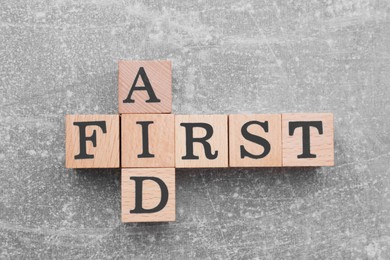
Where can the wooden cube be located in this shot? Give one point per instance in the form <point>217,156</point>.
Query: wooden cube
<point>201,141</point>
<point>307,139</point>
<point>148,195</point>
<point>255,140</point>
<point>148,140</point>
<point>92,141</point>
<point>145,87</point>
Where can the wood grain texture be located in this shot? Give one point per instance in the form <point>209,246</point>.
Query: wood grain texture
<point>161,141</point>
<point>106,152</point>
<point>273,136</point>
<point>151,195</point>
<point>160,77</point>
<point>320,144</point>
<point>218,141</point>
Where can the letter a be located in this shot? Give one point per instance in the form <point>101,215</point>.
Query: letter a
<point>147,86</point>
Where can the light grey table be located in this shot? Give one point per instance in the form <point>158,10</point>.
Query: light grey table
<point>60,58</point>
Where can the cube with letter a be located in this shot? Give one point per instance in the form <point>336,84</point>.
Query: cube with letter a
<point>145,87</point>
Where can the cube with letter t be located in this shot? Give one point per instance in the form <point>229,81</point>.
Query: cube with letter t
<point>308,139</point>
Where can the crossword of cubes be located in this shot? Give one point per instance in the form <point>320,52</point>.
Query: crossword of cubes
<point>148,142</point>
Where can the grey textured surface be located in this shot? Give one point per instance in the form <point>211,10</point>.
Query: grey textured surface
<point>60,58</point>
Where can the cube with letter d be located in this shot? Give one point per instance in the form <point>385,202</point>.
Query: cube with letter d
<point>308,139</point>
<point>148,195</point>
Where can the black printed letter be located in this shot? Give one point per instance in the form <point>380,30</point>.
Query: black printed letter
<point>145,139</point>
<point>138,195</point>
<point>256,139</point>
<point>147,86</point>
<point>305,135</point>
<point>83,139</point>
<point>190,140</point>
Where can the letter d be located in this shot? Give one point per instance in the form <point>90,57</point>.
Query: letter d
<point>138,195</point>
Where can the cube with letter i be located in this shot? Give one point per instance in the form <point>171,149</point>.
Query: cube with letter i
<point>148,140</point>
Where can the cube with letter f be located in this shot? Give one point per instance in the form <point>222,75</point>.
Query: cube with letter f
<point>92,141</point>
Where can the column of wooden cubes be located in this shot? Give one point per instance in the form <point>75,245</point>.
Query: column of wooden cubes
<point>148,142</point>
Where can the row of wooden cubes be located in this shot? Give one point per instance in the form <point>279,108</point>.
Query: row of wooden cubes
<point>199,141</point>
